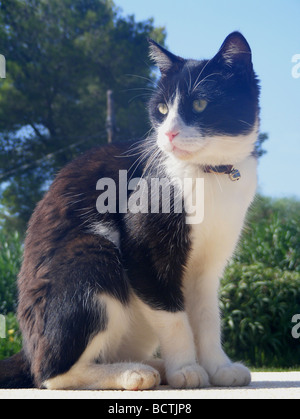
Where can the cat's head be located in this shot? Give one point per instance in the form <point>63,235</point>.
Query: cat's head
<point>206,112</point>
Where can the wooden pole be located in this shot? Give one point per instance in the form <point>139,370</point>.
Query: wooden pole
<point>110,120</point>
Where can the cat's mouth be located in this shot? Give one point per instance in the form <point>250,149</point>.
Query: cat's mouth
<point>180,153</point>
<point>182,150</point>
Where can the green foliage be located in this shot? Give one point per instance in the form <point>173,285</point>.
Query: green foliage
<point>62,57</point>
<point>261,289</point>
<point>272,235</point>
<point>258,304</point>
<point>10,261</point>
<point>12,343</point>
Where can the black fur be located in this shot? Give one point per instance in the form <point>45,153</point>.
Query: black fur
<point>227,82</point>
<point>15,372</point>
<point>155,249</point>
<point>66,266</point>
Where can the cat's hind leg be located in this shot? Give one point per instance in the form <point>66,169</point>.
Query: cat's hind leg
<point>96,369</point>
<point>119,376</point>
<point>74,316</point>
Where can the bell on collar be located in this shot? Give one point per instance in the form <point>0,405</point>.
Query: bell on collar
<point>235,175</point>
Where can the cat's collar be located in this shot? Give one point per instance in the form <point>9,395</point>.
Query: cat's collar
<point>233,173</point>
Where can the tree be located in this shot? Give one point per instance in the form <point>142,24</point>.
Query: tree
<point>259,150</point>
<point>62,57</point>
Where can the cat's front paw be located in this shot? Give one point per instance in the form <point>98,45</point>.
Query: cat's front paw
<point>191,376</point>
<point>142,377</point>
<point>231,375</point>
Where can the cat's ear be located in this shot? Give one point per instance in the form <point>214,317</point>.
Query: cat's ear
<point>165,60</point>
<point>236,52</point>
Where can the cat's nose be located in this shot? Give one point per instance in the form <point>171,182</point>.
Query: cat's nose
<point>171,135</point>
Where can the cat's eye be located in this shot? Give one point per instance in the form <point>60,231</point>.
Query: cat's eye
<point>163,109</point>
<point>199,105</point>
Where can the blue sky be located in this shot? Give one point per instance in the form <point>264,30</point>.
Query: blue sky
<point>197,28</point>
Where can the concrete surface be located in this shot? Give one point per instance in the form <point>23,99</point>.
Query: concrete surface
<point>271,385</point>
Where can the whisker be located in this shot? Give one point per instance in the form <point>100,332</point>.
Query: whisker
<point>205,79</point>
<point>137,146</point>
<point>137,96</point>
<point>141,159</point>
<point>245,122</point>
<point>152,82</point>
<point>151,161</point>
<point>140,88</point>
<point>142,78</point>
<point>200,74</point>
<point>218,181</point>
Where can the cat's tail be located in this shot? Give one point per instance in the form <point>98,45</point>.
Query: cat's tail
<point>15,372</point>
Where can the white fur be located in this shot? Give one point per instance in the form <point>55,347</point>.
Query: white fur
<point>106,230</point>
<point>214,240</point>
<point>190,341</point>
<point>191,147</point>
<point>126,348</point>
<point>117,348</point>
<point>177,347</point>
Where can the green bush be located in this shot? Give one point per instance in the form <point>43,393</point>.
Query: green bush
<point>260,291</point>
<point>272,235</point>
<point>10,262</point>
<point>258,304</point>
<point>12,343</point>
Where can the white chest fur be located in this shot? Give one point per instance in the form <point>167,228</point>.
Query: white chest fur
<point>225,206</point>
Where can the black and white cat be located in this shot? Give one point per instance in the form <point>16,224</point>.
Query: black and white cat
<point>101,291</point>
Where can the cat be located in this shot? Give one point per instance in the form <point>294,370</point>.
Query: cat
<point>101,290</point>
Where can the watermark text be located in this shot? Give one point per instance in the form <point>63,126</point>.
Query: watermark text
<point>2,67</point>
<point>2,327</point>
<point>155,196</point>
<point>296,67</point>
<point>296,328</point>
